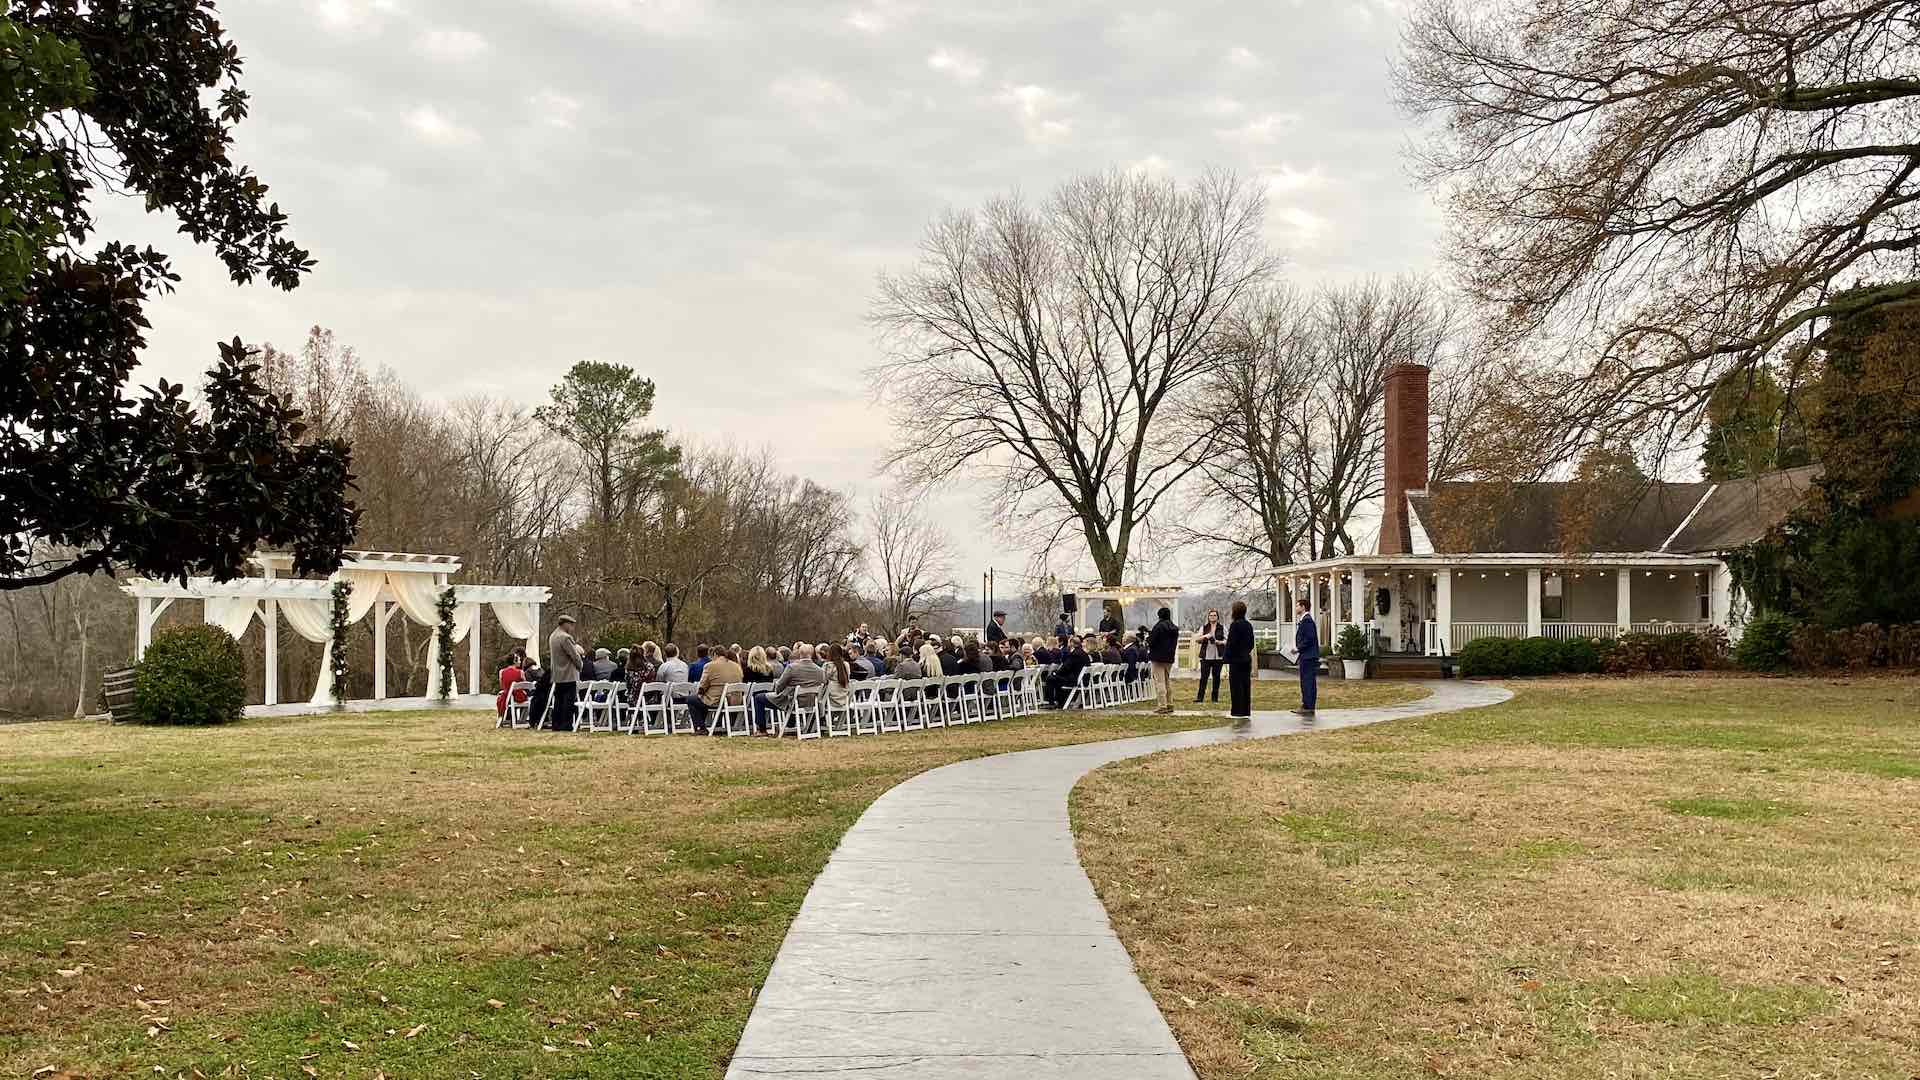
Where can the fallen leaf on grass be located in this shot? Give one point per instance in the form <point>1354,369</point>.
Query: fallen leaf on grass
<point>415,1030</point>
<point>496,1003</point>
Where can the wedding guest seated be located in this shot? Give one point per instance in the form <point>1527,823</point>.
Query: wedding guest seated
<point>800,674</point>
<point>672,669</point>
<point>511,673</point>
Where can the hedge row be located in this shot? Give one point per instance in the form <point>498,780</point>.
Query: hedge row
<point>1628,654</point>
<point>1778,643</point>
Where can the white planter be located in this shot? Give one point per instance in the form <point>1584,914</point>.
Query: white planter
<point>1355,669</point>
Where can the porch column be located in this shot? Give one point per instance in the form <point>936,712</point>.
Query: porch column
<point>1533,602</point>
<point>1443,617</point>
<point>270,617</point>
<point>1720,596</point>
<point>1358,597</point>
<point>1623,602</point>
<point>380,650</point>
<point>1313,599</point>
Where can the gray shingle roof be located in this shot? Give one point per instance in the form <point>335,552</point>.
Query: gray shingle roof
<point>1741,511</point>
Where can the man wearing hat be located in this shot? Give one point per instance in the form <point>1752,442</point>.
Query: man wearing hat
<point>564,656</point>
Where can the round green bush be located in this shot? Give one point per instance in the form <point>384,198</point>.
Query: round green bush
<point>191,675</point>
<point>1767,644</point>
<point>1490,657</point>
<point>1536,656</point>
<point>1580,656</point>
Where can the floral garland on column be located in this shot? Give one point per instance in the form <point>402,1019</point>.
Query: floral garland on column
<point>444,634</point>
<point>337,644</point>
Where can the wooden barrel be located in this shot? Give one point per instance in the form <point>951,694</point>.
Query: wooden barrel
<point>116,693</point>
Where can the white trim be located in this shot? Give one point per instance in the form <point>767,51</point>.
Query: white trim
<point>1422,543</point>
<point>1689,518</point>
<point>1515,560</point>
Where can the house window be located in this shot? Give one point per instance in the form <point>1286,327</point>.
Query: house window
<point>1553,598</point>
<point>1706,599</point>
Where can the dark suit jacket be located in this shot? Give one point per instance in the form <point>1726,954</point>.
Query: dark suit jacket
<point>1163,642</point>
<point>1306,639</point>
<point>1240,642</point>
<point>996,632</point>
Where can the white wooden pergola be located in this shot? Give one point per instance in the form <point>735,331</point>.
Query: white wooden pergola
<point>383,582</point>
<point>1089,595</point>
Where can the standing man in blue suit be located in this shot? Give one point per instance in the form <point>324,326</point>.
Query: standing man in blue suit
<point>1306,643</point>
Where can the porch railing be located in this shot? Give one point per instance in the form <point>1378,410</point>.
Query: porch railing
<point>1663,627</point>
<point>1464,632</point>
<point>1567,630</point>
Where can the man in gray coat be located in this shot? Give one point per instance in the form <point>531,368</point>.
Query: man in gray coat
<point>801,673</point>
<point>564,657</point>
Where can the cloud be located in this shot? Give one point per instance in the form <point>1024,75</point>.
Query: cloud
<point>1261,130</point>
<point>1286,180</point>
<point>667,18</point>
<point>809,92</point>
<point>353,16</point>
<point>877,17</point>
<point>1297,228</point>
<point>555,108</point>
<point>956,62</point>
<point>448,44</point>
<point>1242,57</point>
<point>1037,108</point>
<point>438,128</point>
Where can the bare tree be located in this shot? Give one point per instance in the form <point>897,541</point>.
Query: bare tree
<point>1660,192</point>
<point>1297,413</point>
<point>910,559</point>
<point>1045,344</point>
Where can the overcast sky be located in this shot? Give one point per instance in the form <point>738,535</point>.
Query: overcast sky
<point>496,189</point>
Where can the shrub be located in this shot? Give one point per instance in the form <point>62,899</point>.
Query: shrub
<point>618,635</point>
<point>1353,644</point>
<point>1490,656</point>
<point>191,675</point>
<point>1536,656</point>
<point>1581,656</point>
<point>1767,644</point>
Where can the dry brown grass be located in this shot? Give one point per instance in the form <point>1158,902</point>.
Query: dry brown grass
<point>297,895</point>
<point>1674,878</point>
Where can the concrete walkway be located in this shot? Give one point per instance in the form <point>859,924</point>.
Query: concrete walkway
<point>954,935</point>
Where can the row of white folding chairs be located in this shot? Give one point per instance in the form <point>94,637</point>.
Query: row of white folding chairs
<point>1104,686</point>
<point>874,705</point>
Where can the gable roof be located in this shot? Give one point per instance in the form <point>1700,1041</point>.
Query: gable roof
<point>1738,512</point>
<point>1490,517</point>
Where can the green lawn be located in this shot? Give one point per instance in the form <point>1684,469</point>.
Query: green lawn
<point>419,894</point>
<point>1674,878</point>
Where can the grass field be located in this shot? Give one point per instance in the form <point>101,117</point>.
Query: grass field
<point>1659,878</point>
<point>1271,694</point>
<point>418,894</point>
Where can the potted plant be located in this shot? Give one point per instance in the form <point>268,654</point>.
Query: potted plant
<point>1353,650</point>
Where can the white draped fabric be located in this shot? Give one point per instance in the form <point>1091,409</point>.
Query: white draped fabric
<point>419,599</point>
<point>313,620</point>
<point>231,613</point>
<point>515,618</point>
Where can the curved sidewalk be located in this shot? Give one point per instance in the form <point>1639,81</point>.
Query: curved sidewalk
<point>954,935</point>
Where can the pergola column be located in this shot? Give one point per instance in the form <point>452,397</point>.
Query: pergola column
<point>270,619</point>
<point>1534,592</point>
<point>533,642</point>
<point>1313,598</point>
<point>381,610</point>
<point>1623,601</point>
<point>473,653</point>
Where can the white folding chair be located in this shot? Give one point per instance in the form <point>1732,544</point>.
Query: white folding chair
<point>886,705</point>
<point>910,705</point>
<point>837,720</point>
<point>679,720</point>
<point>735,714</point>
<point>648,712</point>
<point>1082,692</point>
<point>864,704</point>
<point>518,701</point>
<point>973,707</point>
<point>1004,694</point>
<point>805,714</point>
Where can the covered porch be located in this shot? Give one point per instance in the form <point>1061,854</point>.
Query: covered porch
<point>1433,605</point>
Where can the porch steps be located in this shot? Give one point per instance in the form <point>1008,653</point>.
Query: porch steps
<point>1412,667</point>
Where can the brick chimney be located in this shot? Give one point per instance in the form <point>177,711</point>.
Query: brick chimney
<point>1406,452</point>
